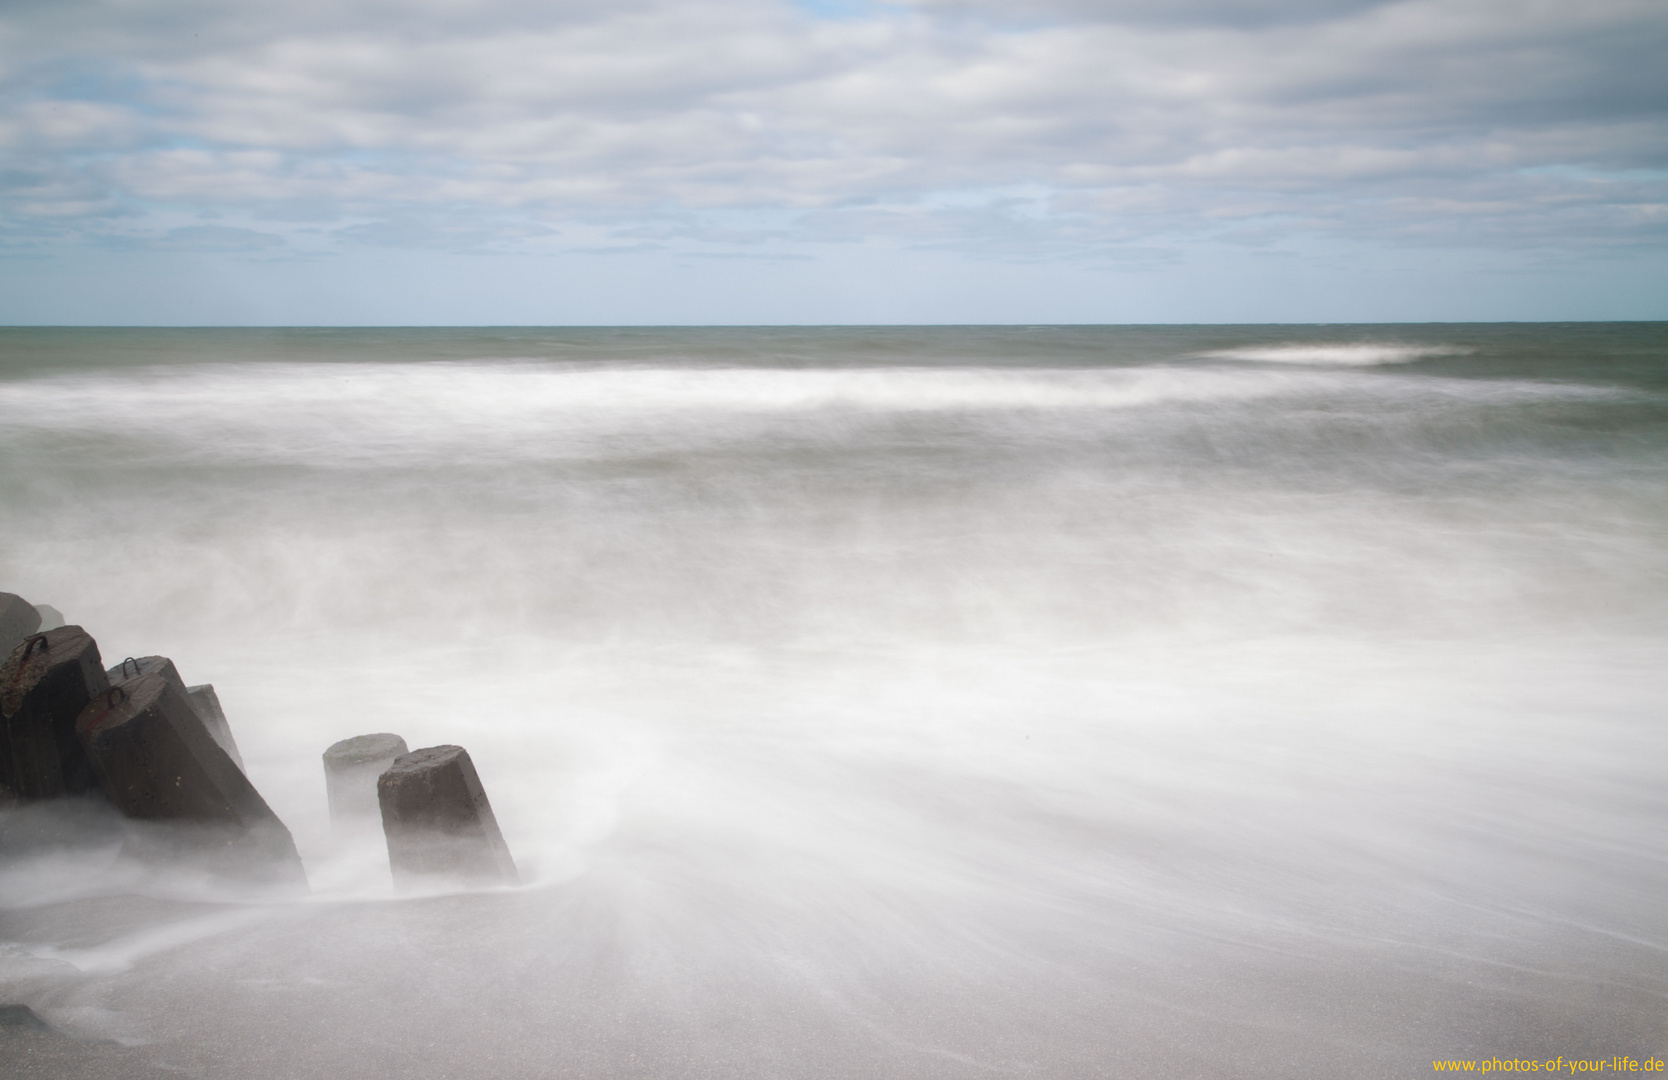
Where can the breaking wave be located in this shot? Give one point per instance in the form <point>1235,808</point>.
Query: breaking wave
<point>1341,355</point>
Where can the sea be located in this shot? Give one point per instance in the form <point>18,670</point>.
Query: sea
<point>904,702</point>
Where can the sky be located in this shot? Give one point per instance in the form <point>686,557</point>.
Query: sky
<point>419,162</point>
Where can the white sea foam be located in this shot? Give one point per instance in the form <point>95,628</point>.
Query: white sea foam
<point>1206,718</point>
<point>407,397</point>
<point>120,954</point>
<point>391,414</point>
<point>1355,354</point>
<point>387,414</point>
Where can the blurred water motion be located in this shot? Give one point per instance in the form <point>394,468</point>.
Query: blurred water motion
<point>1235,701</point>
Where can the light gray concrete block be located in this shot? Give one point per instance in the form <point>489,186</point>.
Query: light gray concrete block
<point>351,768</point>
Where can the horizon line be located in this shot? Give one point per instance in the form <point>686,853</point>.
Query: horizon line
<point>813,326</point>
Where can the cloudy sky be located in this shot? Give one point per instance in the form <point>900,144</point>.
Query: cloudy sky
<point>745,161</point>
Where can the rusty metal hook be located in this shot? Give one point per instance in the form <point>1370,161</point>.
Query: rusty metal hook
<point>137,670</point>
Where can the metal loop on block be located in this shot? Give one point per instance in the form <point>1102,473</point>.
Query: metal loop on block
<point>114,697</point>
<point>136,669</point>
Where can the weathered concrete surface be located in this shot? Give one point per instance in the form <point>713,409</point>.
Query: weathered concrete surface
<point>438,822</point>
<point>156,761</point>
<point>135,666</point>
<point>18,619</point>
<point>44,685</point>
<point>207,703</point>
<point>351,768</point>
<point>51,617</point>
<point>201,697</point>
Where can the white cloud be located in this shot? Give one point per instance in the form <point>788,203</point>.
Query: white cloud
<point>1124,121</point>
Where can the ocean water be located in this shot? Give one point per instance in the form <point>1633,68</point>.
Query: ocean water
<point>1058,701</point>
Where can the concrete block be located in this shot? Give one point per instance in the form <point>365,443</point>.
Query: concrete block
<point>44,685</point>
<point>51,617</point>
<point>202,697</point>
<point>207,703</point>
<point>156,761</point>
<point>18,619</point>
<point>135,666</point>
<point>351,768</point>
<point>438,822</point>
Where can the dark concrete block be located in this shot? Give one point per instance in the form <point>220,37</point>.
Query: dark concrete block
<point>18,619</point>
<point>438,821</point>
<point>133,667</point>
<point>202,697</point>
<point>207,703</point>
<point>351,768</point>
<point>156,761</point>
<point>44,685</point>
